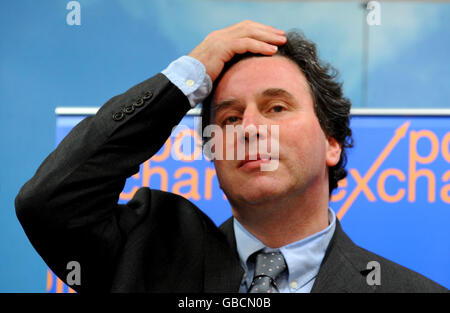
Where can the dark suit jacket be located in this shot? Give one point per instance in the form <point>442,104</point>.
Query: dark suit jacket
<point>158,241</point>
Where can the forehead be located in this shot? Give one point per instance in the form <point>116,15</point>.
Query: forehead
<point>253,75</point>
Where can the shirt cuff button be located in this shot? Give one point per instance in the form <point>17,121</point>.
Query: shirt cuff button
<point>190,83</point>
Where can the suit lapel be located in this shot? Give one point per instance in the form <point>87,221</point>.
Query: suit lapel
<point>338,272</point>
<point>223,272</point>
<point>341,269</point>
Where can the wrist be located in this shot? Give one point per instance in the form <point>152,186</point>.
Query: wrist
<point>189,75</point>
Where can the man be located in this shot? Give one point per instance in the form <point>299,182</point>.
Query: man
<point>283,237</point>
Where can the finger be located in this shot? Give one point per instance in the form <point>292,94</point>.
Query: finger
<point>256,33</point>
<point>271,29</point>
<point>250,23</point>
<point>243,45</point>
<point>266,36</point>
<point>247,27</point>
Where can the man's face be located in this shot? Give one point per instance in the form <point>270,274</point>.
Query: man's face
<point>272,91</point>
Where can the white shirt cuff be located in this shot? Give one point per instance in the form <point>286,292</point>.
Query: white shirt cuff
<point>189,75</point>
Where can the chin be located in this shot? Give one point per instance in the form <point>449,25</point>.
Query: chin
<point>260,194</point>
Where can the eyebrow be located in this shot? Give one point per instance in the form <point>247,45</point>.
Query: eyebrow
<point>277,93</point>
<point>224,103</point>
<point>268,93</point>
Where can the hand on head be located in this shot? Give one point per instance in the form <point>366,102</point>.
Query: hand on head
<point>247,36</point>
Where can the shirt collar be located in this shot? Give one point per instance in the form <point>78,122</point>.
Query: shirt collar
<point>246,243</point>
<point>303,257</point>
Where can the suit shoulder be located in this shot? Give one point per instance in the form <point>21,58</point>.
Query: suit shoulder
<point>394,277</point>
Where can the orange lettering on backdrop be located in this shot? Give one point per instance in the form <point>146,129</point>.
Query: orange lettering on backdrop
<point>381,185</point>
<point>362,184</point>
<point>209,175</point>
<point>400,132</point>
<point>49,280</point>
<point>59,286</point>
<point>192,182</point>
<point>446,147</point>
<point>179,143</point>
<point>148,172</point>
<point>165,152</point>
<point>445,191</point>
<point>341,194</point>
<point>414,158</point>
<point>130,195</point>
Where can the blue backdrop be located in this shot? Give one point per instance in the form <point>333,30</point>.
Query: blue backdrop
<point>45,63</point>
<point>394,201</point>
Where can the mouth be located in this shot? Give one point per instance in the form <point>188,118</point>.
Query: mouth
<point>252,162</point>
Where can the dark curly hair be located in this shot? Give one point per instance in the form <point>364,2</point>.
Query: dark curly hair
<point>331,107</point>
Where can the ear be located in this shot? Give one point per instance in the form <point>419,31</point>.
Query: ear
<point>333,152</point>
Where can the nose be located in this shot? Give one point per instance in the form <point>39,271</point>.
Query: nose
<point>252,121</point>
<point>251,116</point>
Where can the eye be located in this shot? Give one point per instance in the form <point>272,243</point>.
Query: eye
<point>231,120</point>
<point>277,108</point>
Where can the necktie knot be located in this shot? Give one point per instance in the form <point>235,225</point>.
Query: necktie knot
<point>268,267</point>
